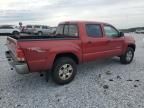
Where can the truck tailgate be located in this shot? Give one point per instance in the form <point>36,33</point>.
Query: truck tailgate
<point>13,57</point>
<point>12,45</point>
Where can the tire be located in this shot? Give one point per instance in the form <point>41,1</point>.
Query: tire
<point>64,70</point>
<point>40,33</point>
<point>127,58</point>
<point>15,33</point>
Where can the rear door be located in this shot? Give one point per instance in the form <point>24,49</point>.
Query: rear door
<point>95,45</point>
<point>116,42</point>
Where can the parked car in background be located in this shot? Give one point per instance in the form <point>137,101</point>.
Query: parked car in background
<point>37,29</point>
<point>28,29</point>
<point>53,30</point>
<point>139,31</point>
<point>74,43</point>
<point>9,29</point>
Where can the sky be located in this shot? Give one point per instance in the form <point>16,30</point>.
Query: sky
<point>120,13</point>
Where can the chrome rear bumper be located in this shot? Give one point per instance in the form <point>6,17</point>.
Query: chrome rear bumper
<point>20,67</point>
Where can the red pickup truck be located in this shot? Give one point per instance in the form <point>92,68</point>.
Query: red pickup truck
<point>75,42</point>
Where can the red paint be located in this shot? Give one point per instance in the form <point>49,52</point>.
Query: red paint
<point>40,54</point>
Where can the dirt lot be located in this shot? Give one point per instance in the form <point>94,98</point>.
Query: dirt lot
<point>101,84</point>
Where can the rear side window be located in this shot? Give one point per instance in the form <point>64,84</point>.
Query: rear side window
<point>94,30</point>
<point>66,30</point>
<point>70,30</point>
<point>73,31</point>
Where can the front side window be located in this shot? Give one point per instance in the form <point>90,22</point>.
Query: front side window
<point>93,30</point>
<point>110,31</point>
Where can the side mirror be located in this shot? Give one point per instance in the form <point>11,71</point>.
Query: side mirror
<point>121,34</point>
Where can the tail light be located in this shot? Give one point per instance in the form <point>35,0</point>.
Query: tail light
<point>20,54</point>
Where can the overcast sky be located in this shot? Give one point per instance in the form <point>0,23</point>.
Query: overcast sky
<point>121,13</point>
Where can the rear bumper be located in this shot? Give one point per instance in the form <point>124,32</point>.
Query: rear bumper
<point>20,67</point>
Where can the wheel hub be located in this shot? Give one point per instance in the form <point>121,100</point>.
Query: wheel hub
<point>65,71</point>
<point>129,55</point>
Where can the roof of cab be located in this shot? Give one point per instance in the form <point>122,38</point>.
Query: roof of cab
<point>91,22</point>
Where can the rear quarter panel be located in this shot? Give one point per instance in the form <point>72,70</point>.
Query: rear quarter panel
<point>40,54</point>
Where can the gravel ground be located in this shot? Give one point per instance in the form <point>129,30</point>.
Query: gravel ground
<point>101,84</point>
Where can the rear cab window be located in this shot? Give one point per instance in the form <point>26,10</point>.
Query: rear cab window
<point>94,30</point>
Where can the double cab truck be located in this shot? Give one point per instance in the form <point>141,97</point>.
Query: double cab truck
<point>75,42</point>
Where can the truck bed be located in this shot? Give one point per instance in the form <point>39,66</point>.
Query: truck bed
<point>39,51</point>
<point>35,37</point>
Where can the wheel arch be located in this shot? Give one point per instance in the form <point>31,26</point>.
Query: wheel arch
<point>68,54</point>
<point>133,46</point>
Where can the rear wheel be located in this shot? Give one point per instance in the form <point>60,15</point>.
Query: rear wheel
<point>64,70</point>
<point>128,56</point>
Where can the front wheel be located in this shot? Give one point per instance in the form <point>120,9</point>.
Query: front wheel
<point>127,58</point>
<point>64,70</point>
